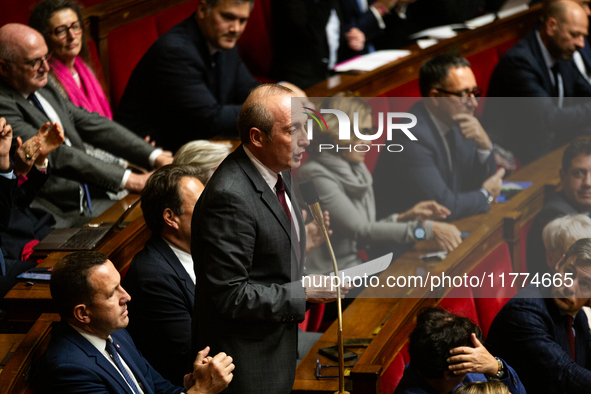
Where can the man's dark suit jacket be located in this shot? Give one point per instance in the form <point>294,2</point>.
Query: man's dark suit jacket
<point>301,45</point>
<point>19,224</point>
<point>555,207</point>
<point>175,95</point>
<point>162,298</point>
<point>366,21</point>
<point>71,364</point>
<point>421,172</point>
<point>530,334</point>
<point>71,165</point>
<point>248,297</point>
<point>532,127</point>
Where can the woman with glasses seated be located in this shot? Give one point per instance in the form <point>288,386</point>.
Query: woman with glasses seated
<point>60,22</point>
<point>345,189</point>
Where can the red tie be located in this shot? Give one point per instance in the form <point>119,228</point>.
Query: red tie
<point>280,189</point>
<point>568,324</point>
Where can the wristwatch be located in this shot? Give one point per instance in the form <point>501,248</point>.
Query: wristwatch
<point>489,197</point>
<point>419,232</point>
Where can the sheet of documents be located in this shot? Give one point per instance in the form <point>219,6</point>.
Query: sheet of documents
<point>512,7</point>
<point>439,32</point>
<point>371,61</point>
<point>426,43</point>
<point>370,268</point>
<point>480,21</point>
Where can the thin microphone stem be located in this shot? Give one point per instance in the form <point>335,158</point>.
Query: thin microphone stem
<point>317,213</point>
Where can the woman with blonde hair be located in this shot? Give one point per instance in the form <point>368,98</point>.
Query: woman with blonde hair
<point>345,187</point>
<point>490,387</point>
<point>204,155</point>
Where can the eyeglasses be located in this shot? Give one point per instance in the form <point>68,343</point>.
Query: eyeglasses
<point>61,32</point>
<point>34,64</point>
<point>464,94</point>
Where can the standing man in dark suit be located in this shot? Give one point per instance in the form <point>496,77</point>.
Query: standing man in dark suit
<point>28,104</point>
<point>161,278</point>
<point>575,197</point>
<point>248,245</point>
<point>191,79</point>
<point>539,68</point>
<point>90,350</point>
<point>543,333</point>
<point>451,162</point>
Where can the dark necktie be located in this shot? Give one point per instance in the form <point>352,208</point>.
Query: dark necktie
<point>568,325</point>
<point>112,350</point>
<point>37,103</point>
<point>280,189</point>
<point>2,263</point>
<point>556,75</point>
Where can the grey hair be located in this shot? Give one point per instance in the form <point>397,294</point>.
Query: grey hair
<point>204,155</point>
<point>557,234</point>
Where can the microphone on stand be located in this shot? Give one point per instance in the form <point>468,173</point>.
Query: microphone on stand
<point>312,200</point>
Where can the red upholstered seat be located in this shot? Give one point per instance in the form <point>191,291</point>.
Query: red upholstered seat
<point>255,44</point>
<point>523,245</point>
<point>460,301</point>
<point>313,318</point>
<point>483,65</point>
<point>391,377</point>
<point>489,301</point>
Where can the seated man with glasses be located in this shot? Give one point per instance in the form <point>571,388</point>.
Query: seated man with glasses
<point>451,161</point>
<point>27,103</point>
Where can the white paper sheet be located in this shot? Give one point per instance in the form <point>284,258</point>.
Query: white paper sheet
<point>371,61</point>
<point>439,32</point>
<point>370,268</point>
<point>480,21</point>
<point>426,43</point>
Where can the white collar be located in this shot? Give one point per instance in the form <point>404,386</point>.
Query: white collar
<point>268,175</point>
<point>185,259</point>
<point>97,342</point>
<point>548,59</point>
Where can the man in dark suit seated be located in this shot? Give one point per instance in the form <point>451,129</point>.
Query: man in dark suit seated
<point>542,98</point>
<point>544,333</point>
<point>19,181</point>
<point>28,102</point>
<point>451,162</point>
<point>575,197</point>
<point>191,79</point>
<point>90,350</point>
<point>161,278</point>
<point>248,244</point>
<point>446,352</point>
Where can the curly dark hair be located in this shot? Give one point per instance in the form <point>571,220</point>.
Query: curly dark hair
<point>436,333</point>
<point>42,12</point>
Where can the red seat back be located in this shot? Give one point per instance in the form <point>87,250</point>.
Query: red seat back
<point>255,45</point>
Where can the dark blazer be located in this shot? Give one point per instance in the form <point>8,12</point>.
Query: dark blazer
<point>532,127</point>
<point>71,364</point>
<point>366,21</point>
<point>71,165</point>
<point>248,297</point>
<point>586,54</point>
<point>556,206</point>
<point>162,298</point>
<point>530,334</point>
<point>175,95</point>
<point>413,383</point>
<point>421,172</point>
<point>301,46</point>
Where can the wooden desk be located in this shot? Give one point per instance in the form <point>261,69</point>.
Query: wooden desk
<point>25,303</point>
<point>8,344</point>
<point>466,43</point>
<point>390,320</point>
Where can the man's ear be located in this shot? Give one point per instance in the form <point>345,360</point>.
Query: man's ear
<point>432,97</point>
<point>4,67</point>
<point>170,219</point>
<point>550,27</point>
<point>81,314</point>
<point>256,137</point>
<point>202,9</point>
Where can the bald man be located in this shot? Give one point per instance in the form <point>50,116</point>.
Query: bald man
<point>27,102</point>
<point>540,66</point>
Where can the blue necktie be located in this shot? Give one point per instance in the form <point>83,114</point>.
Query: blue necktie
<point>112,350</point>
<point>37,103</point>
<point>2,263</point>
